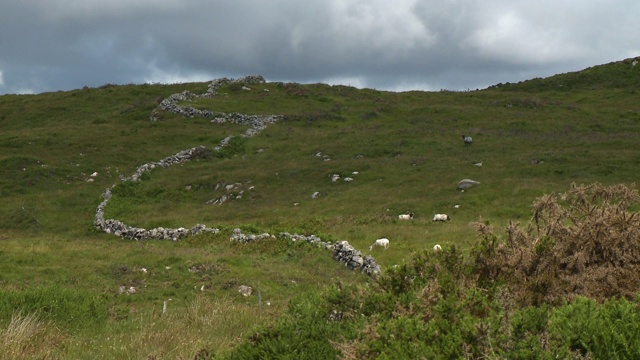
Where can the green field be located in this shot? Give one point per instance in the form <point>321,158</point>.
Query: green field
<point>61,279</point>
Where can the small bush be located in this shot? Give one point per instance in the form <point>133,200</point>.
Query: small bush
<point>304,334</point>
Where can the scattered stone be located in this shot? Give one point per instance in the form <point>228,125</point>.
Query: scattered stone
<point>245,290</point>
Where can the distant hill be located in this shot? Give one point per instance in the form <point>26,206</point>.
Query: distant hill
<point>624,74</point>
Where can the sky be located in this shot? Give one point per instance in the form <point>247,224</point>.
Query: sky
<point>399,45</point>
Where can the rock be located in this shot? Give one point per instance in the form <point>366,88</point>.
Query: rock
<point>467,183</point>
<point>245,290</point>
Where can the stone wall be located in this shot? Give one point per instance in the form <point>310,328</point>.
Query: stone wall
<point>342,251</point>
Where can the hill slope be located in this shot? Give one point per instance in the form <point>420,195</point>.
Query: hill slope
<point>402,151</point>
<point>622,75</point>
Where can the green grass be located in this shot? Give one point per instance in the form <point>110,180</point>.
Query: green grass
<point>406,148</point>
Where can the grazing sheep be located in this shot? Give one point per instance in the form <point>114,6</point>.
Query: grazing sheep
<point>467,139</point>
<point>384,242</point>
<point>441,217</point>
<point>408,216</point>
<point>437,247</point>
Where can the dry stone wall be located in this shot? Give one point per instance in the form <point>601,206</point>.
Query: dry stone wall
<point>342,251</point>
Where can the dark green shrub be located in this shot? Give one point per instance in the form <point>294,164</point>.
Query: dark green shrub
<point>607,331</point>
<point>305,333</point>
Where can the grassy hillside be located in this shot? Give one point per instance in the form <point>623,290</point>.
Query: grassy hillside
<point>404,152</point>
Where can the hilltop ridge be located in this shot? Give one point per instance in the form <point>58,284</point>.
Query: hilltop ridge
<point>623,74</point>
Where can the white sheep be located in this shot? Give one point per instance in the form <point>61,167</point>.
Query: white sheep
<point>441,217</point>
<point>408,216</point>
<point>384,242</point>
<point>437,247</point>
<point>467,139</point>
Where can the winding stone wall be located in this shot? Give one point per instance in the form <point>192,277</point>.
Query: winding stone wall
<point>342,251</point>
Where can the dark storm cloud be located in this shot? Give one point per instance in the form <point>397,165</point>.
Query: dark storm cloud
<point>49,45</point>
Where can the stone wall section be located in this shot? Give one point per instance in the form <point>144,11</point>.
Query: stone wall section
<point>342,251</point>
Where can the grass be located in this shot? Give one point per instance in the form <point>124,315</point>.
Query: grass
<point>533,138</point>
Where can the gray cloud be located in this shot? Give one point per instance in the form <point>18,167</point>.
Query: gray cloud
<point>50,45</point>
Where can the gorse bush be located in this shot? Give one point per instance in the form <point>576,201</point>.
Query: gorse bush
<point>584,242</point>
